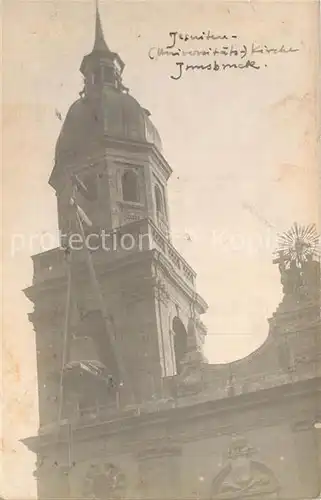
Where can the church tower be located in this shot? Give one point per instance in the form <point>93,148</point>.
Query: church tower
<point>116,312</point>
<point>110,143</point>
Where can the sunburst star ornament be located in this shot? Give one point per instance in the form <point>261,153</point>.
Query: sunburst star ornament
<point>299,244</point>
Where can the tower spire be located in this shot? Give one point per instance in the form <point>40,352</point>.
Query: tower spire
<point>100,43</point>
<point>101,66</point>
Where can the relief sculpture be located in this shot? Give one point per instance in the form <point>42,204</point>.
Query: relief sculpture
<point>243,477</point>
<point>104,481</point>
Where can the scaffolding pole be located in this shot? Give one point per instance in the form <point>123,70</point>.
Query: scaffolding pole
<point>108,324</point>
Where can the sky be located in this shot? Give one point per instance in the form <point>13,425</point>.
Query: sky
<point>241,143</point>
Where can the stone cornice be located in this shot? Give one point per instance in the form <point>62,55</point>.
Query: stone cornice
<point>169,270</point>
<point>104,267</point>
<point>127,145</point>
<point>226,410</point>
<point>115,147</point>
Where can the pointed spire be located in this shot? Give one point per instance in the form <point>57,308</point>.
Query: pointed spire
<point>100,56</point>
<point>100,43</point>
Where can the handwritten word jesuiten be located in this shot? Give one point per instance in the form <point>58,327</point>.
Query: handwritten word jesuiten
<point>177,36</point>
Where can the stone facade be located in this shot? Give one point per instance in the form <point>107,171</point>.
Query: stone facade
<point>176,426</point>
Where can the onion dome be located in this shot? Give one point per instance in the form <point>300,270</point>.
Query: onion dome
<point>105,109</point>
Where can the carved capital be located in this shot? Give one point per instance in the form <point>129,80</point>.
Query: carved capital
<point>161,291</point>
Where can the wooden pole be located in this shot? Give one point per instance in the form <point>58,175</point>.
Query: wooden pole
<point>108,323</point>
<point>65,337</point>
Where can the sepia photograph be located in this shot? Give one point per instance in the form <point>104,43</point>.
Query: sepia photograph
<point>161,250</point>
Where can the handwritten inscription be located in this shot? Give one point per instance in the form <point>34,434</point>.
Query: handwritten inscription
<point>176,36</point>
<point>225,53</point>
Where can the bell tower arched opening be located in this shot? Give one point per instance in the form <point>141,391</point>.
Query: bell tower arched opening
<point>180,343</point>
<point>130,186</point>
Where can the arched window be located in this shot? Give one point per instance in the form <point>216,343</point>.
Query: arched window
<point>130,186</point>
<point>108,74</point>
<point>95,77</point>
<point>159,200</point>
<point>180,343</point>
